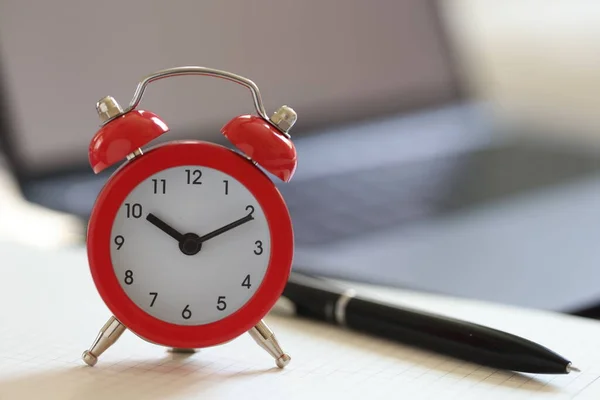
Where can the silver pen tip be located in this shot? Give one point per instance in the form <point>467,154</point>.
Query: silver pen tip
<point>571,368</point>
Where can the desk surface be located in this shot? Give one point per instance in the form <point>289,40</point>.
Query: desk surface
<point>50,313</point>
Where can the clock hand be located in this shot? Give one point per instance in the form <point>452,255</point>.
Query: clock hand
<point>154,220</point>
<point>226,228</point>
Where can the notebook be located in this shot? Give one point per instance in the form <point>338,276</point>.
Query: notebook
<point>50,312</point>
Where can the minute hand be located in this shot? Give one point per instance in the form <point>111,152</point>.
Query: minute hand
<point>226,228</point>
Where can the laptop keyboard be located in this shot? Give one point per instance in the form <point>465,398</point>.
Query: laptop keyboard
<point>335,207</point>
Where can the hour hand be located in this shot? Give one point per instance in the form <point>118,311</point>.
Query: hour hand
<point>163,226</point>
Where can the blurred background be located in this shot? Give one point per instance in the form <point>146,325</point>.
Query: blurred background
<point>463,135</point>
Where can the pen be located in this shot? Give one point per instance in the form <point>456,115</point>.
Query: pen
<point>315,298</point>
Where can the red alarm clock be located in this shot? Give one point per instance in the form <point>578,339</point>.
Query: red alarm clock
<point>190,243</point>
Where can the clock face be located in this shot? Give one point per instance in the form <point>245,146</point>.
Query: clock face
<point>190,245</point>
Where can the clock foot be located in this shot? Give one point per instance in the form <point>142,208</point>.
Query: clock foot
<point>182,350</point>
<point>110,332</point>
<point>265,338</point>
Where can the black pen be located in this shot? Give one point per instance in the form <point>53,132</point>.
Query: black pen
<point>315,298</point>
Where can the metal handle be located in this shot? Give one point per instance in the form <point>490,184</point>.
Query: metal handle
<point>165,73</point>
<point>282,119</point>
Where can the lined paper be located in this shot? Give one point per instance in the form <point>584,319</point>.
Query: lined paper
<point>50,312</point>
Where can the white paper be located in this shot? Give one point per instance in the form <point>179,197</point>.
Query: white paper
<point>50,312</point>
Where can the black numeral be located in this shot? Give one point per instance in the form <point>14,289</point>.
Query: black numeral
<point>119,240</point>
<point>186,313</point>
<point>133,210</point>
<point>193,176</point>
<point>221,305</point>
<point>259,249</point>
<point>251,208</point>
<point>155,295</point>
<point>247,281</point>
<point>128,277</point>
<point>160,186</point>
<point>226,182</point>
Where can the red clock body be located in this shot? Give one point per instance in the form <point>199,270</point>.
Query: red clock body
<point>159,264</point>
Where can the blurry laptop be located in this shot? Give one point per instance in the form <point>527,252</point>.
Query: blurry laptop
<point>402,180</point>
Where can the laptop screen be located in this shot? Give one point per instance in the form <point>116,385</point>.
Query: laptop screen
<point>331,63</point>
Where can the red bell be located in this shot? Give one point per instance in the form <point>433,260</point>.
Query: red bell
<point>123,135</point>
<point>264,143</point>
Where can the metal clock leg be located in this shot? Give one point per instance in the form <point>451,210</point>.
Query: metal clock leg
<point>265,338</point>
<point>110,332</point>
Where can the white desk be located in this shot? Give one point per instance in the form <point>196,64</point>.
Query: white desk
<point>50,312</point>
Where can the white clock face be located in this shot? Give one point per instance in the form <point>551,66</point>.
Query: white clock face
<point>190,245</point>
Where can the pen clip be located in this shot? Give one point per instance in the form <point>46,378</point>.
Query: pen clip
<point>340,306</point>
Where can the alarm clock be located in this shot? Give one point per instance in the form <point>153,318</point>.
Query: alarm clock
<point>189,243</point>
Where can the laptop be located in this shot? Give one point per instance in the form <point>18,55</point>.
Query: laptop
<point>403,179</point>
